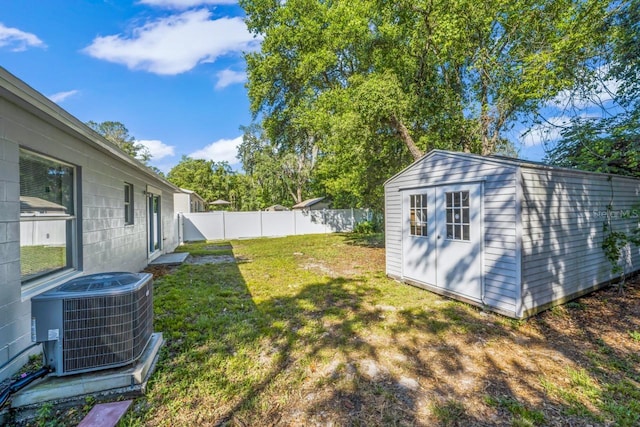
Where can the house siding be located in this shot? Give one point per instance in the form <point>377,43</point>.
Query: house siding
<point>500,262</point>
<point>107,244</point>
<point>562,220</point>
<point>14,314</point>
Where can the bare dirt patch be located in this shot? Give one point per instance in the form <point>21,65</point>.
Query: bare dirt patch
<point>210,259</point>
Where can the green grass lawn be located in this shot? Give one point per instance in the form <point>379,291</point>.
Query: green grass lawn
<point>308,330</point>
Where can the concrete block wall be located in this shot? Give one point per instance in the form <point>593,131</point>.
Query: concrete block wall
<point>107,244</point>
<point>15,314</point>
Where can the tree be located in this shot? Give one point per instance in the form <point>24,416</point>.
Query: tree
<point>608,142</point>
<point>279,172</point>
<point>364,79</point>
<point>118,134</point>
<point>211,180</point>
<point>606,138</point>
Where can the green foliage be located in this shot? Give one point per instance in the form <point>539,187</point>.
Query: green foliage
<point>522,416</point>
<point>212,181</point>
<point>280,174</point>
<point>370,226</point>
<point>608,141</point>
<point>375,84</point>
<point>118,134</point>
<point>614,242</point>
<point>364,227</point>
<point>45,416</point>
<point>449,413</point>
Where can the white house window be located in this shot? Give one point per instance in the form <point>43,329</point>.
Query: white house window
<point>47,216</point>
<point>418,214</point>
<point>458,215</point>
<point>128,203</point>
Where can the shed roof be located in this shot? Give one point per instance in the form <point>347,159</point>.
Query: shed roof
<point>503,160</point>
<point>20,93</point>
<point>31,204</point>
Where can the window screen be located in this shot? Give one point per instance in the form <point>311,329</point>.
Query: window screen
<point>457,207</point>
<point>418,214</point>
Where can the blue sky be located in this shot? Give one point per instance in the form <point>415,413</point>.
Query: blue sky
<point>171,70</point>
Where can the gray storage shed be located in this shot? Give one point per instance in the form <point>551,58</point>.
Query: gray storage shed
<point>513,236</point>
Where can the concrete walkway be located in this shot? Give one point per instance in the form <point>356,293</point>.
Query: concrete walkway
<point>175,258</point>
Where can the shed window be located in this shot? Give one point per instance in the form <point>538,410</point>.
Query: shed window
<point>418,214</point>
<point>128,203</point>
<point>458,215</point>
<point>48,225</point>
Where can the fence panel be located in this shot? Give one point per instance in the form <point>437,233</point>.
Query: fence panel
<point>238,225</point>
<point>278,223</point>
<point>221,225</point>
<point>203,226</point>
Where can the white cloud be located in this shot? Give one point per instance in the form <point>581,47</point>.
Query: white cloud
<point>61,96</point>
<point>157,149</point>
<point>17,40</point>
<point>175,44</point>
<point>597,95</point>
<point>547,131</point>
<point>184,4</point>
<point>230,77</point>
<point>223,150</point>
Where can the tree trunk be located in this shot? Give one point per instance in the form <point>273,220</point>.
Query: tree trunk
<point>485,119</point>
<point>406,138</point>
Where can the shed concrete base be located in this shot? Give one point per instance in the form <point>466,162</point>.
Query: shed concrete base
<point>128,380</point>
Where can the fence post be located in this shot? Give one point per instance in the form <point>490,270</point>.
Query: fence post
<point>224,228</point>
<point>353,220</point>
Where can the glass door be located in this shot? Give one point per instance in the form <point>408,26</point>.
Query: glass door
<point>155,231</point>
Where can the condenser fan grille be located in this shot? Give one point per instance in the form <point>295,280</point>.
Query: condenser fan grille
<point>106,330</point>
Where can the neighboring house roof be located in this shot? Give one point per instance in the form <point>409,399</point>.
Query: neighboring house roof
<point>308,203</point>
<point>36,204</point>
<point>276,208</point>
<point>220,202</point>
<point>23,95</point>
<point>184,190</point>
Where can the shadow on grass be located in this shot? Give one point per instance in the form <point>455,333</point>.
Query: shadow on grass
<point>373,240</point>
<point>323,352</point>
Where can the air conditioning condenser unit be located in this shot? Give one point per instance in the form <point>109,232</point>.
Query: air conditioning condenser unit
<point>94,322</point>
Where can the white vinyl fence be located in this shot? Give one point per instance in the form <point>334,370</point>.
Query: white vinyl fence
<point>223,225</point>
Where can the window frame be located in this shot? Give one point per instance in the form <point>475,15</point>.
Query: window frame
<point>418,215</point>
<point>129,211</point>
<point>458,228</point>
<point>72,226</point>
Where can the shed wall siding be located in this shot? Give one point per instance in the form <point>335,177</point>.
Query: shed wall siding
<point>562,219</point>
<point>500,262</point>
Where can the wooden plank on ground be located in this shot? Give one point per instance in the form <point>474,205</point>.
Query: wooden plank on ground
<point>105,414</point>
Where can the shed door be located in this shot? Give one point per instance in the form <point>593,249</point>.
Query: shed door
<point>419,252</point>
<point>448,255</point>
<point>459,240</point>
